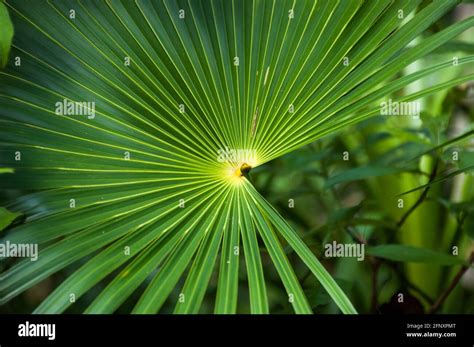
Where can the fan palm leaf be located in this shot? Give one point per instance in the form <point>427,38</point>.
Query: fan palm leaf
<point>134,195</point>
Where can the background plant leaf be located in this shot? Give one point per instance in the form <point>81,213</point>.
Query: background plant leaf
<point>6,35</point>
<point>406,253</point>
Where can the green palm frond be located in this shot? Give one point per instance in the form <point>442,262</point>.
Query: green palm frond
<point>174,83</point>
